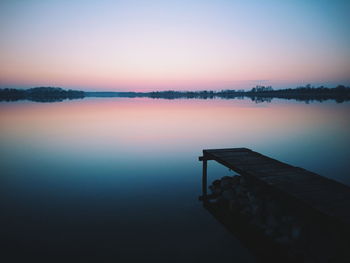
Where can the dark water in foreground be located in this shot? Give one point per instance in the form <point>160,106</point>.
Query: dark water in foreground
<point>117,180</point>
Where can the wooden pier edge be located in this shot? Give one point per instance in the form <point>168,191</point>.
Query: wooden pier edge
<point>322,195</point>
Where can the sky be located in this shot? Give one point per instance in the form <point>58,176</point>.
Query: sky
<point>136,45</point>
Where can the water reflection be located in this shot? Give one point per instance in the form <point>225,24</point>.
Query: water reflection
<point>120,176</point>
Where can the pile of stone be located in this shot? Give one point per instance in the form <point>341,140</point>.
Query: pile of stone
<point>305,239</point>
<point>258,207</point>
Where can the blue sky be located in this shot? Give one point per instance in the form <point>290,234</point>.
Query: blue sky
<point>147,45</point>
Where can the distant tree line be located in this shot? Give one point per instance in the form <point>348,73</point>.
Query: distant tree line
<point>40,94</point>
<point>258,94</point>
<point>304,93</point>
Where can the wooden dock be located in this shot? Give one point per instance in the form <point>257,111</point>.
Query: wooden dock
<point>320,194</point>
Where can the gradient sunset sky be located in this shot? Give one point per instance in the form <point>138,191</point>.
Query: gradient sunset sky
<point>183,45</point>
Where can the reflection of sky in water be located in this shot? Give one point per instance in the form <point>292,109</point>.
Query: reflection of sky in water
<point>129,166</point>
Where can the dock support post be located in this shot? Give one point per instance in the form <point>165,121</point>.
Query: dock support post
<point>204,179</point>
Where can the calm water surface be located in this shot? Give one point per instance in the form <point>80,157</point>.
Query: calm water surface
<point>110,180</point>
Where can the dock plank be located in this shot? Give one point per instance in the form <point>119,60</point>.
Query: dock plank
<point>323,194</point>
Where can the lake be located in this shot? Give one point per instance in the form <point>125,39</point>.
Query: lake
<point>118,179</point>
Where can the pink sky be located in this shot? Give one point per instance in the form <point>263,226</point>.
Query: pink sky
<point>193,45</point>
